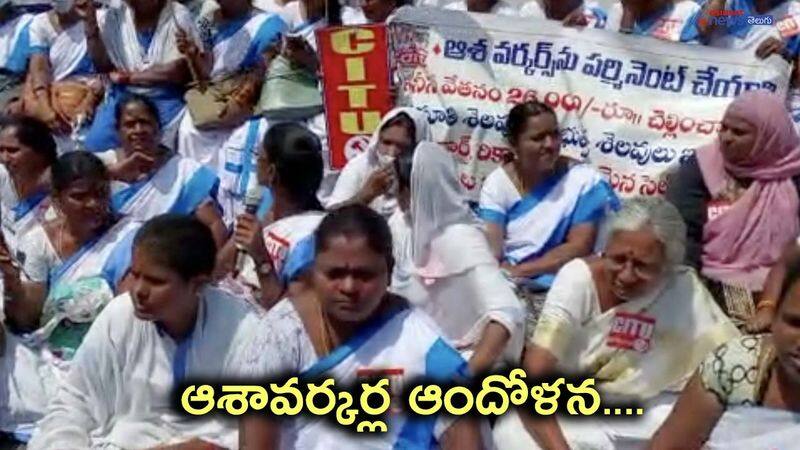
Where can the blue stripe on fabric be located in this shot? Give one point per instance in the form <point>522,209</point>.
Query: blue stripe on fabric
<point>179,361</point>
<point>39,49</point>
<point>266,203</point>
<point>57,272</point>
<point>301,27</point>
<point>740,28</point>
<point>22,436</point>
<point>442,364</point>
<point>17,61</point>
<point>641,27</point>
<point>268,33</point>
<point>85,67</point>
<point>119,261</point>
<point>793,46</point>
<point>228,29</point>
<point>300,258</point>
<point>247,155</point>
<point>690,32</point>
<point>592,205</point>
<point>490,215</point>
<point>351,346</point>
<point>601,15</point>
<point>120,198</point>
<point>532,199</point>
<point>145,39</point>
<point>233,168</point>
<point>28,204</point>
<point>204,183</point>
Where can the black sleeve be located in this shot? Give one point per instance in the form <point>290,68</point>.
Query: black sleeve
<point>688,192</point>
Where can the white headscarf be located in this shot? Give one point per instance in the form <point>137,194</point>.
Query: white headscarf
<point>438,203</point>
<point>421,128</point>
<point>458,280</point>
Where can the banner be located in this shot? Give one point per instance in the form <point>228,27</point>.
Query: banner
<point>631,106</point>
<point>356,87</point>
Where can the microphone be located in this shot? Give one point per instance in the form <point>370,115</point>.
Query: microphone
<point>252,200</point>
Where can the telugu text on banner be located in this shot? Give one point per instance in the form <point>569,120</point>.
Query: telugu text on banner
<point>632,106</point>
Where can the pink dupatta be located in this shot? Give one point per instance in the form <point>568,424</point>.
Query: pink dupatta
<point>741,244</point>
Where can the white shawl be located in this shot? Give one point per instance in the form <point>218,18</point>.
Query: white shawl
<point>120,37</point>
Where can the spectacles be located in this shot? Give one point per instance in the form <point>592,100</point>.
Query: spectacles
<point>644,271</point>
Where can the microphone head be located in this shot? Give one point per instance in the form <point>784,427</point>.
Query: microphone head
<point>253,197</point>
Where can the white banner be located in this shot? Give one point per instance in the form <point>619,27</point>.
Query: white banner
<point>631,106</point>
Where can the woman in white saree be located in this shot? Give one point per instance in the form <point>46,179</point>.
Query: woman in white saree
<point>137,44</point>
<point>746,394</point>
<point>344,328</point>
<point>71,267</point>
<point>633,319</point>
<point>62,87</point>
<point>27,150</point>
<point>151,179</point>
<point>239,34</point>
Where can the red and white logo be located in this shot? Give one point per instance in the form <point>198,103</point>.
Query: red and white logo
<point>631,331</point>
<point>277,248</point>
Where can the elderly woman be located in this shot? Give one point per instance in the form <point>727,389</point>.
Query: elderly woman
<point>746,394</point>
<point>633,318</point>
<point>369,177</point>
<point>138,43</point>
<point>541,209</point>
<point>62,88</point>
<point>669,20</point>
<point>732,191</point>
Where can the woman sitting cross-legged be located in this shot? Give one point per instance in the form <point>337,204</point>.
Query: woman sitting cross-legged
<point>632,318</point>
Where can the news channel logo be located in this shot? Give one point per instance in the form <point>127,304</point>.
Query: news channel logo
<point>731,20</point>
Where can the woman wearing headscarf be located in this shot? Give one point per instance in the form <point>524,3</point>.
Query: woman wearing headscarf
<point>634,319</point>
<point>739,198</point>
<point>454,276</point>
<point>369,177</point>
